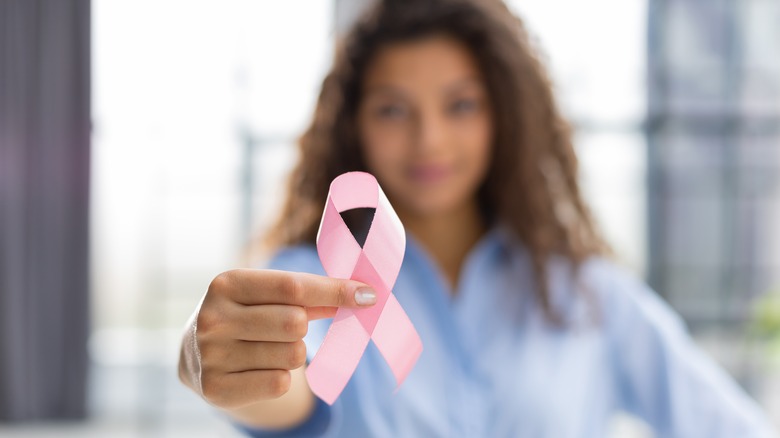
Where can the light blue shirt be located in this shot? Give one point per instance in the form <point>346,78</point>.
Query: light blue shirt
<point>492,366</point>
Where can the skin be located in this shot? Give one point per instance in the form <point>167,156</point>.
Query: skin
<point>425,125</point>
<point>426,129</point>
<point>250,329</point>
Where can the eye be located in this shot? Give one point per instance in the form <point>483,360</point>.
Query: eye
<point>391,111</point>
<point>464,106</point>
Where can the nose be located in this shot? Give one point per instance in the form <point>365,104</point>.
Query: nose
<point>431,133</point>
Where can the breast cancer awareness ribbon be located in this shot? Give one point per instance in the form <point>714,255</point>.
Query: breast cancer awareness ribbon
<point>377,264</point>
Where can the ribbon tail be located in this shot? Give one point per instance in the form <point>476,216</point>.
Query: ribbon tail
<point>397,340</point>
<point>338,356</point>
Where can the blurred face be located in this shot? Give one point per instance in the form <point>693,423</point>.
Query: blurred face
<point>425,125</point>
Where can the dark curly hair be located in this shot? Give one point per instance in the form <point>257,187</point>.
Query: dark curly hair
<point>531,186</point>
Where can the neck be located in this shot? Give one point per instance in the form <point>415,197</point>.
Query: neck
<point>447,236</point>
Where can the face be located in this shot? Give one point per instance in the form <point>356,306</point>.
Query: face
<point>425,125</point>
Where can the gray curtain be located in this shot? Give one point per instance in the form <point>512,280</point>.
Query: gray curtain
<point>44,194</point>
<point>714,156</point>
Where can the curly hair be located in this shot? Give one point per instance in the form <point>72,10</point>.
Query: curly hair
<point>532,183</point>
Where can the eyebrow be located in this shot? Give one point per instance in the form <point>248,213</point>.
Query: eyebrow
<point>464,83</point>
<point>448,90</point>
<point>385,89</point>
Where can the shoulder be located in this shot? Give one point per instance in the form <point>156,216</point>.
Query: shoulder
<point>298,258</point>
<point>620,297</point>
<point>609,280</point>
<point>626,300</point>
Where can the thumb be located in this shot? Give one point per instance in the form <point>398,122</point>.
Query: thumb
<point>318,291</point>
<point>342,293</point>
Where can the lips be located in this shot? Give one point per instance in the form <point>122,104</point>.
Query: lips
<point>429,173</point>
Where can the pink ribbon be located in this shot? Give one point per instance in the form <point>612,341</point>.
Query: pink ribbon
<point>377,264</point>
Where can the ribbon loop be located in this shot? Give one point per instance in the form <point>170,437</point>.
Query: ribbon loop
<point>377,264</point>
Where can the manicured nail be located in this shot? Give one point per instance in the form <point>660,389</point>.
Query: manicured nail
<point>365,296</point>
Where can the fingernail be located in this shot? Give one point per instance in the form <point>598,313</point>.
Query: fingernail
<point>365,296</point>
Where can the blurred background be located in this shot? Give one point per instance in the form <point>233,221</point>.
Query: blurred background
<point>143,144</point>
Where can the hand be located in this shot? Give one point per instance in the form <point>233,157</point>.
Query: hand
<point>250,330</point>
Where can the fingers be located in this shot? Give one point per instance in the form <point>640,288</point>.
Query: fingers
<point>271,322</point>
<point>251,287</point>
<point>239,373</point>
<point>239,356</point>
<point>320,312</point>
<point>235,390</point>
<point>250,327</point>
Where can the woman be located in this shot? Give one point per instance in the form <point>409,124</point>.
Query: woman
<point>528,329</point>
